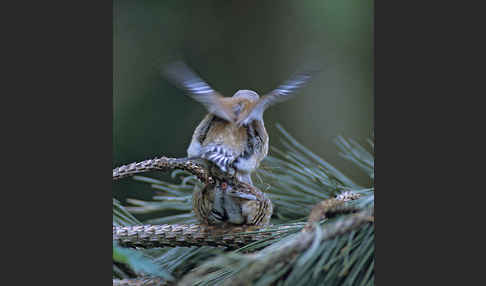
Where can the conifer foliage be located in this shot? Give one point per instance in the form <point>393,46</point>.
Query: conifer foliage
<point>336,250</point>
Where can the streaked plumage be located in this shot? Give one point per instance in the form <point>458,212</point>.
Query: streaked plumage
<point>232,202</point>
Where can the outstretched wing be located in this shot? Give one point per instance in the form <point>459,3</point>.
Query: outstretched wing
<point>183,77</point>
<point>280,94</point>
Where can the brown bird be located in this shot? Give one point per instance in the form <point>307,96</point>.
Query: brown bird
<point>233,134</point>
<point>231,201</point>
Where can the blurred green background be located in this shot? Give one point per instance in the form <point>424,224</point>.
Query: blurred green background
<point>240,45</point>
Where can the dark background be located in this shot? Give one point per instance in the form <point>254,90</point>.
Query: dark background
<point>240,45</point>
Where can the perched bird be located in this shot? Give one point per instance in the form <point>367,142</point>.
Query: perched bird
<point>230,201</point>
<point>233,135</point>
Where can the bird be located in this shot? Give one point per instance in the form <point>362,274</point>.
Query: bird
<point>231,202</point>
<point>232,135</point>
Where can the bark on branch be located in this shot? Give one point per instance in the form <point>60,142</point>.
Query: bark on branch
<point>146,281</point>
<point>172,235</point>
<point>164,164</point>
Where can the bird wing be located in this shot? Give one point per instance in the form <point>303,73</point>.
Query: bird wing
<point>183,77</point>
<point>282,93</point>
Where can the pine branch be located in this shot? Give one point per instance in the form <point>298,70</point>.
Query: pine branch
<point>172,235</point>
<point>145,281</point>
<point>331,206</point>
<point>252,267</point>
<point>285,255</point>
<point>232,237</point>
<point>164,164</point>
